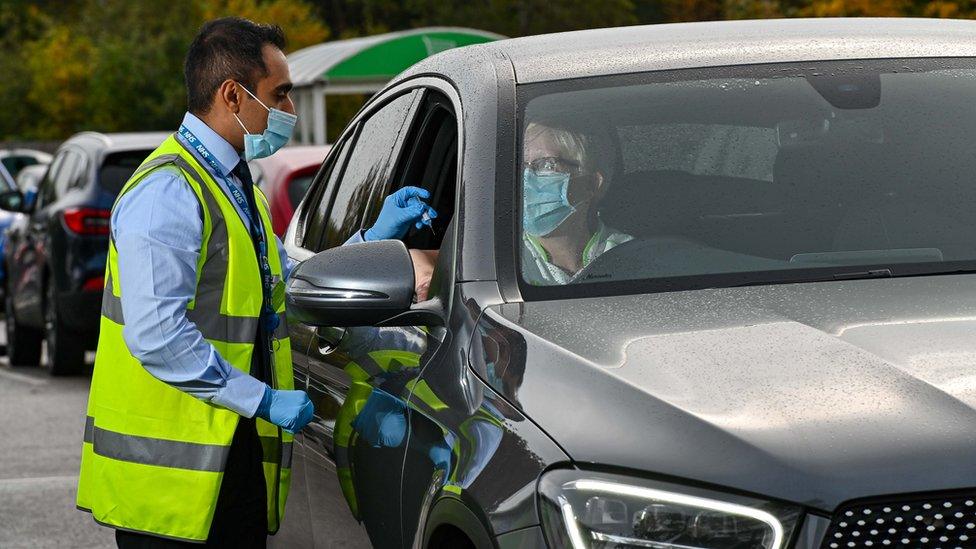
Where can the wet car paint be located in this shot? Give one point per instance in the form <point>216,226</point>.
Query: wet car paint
<point>742,390</point>
<point>812,393</point>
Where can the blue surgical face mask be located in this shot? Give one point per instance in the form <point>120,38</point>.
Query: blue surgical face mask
<point>280,127</point>
<point>545,202</point>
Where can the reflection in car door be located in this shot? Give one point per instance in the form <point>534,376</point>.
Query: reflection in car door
<point>346,370</point>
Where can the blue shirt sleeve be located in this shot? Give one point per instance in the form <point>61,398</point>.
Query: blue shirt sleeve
<point>158,247</point>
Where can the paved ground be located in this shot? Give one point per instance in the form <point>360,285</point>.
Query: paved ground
<point>40,442</point>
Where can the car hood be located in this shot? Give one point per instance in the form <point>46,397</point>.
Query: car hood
<point>815,393</point>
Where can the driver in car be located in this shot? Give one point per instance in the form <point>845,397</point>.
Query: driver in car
<point>565,175</point>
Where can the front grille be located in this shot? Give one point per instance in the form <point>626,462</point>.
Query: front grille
<point>935,522</point>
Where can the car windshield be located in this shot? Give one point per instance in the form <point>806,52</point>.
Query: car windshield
<point>14,163</point>
<point>748,175</point>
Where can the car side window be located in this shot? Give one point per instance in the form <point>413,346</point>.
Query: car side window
<point>69,174</point>
<point>81,174</point>
<point>317,205</point>
<point>45,191</point>
<point>432,164</point>
<point>368,170</point>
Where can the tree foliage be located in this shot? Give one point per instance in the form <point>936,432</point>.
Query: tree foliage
<point>116,65</point>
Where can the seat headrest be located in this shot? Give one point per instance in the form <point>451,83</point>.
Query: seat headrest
<point>669,202</point>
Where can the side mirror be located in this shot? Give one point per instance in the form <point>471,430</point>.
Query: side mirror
<point>365,284</point>
<point>12,201</point>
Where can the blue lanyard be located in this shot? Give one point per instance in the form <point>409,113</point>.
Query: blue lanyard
<point>257,234</point>
<point>218,169</point>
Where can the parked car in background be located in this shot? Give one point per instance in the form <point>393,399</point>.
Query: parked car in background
<point>14,160</point>
<point>284,177</point>
<point>27,177</point>
<point>27,182</point>
<point>780,353</point>
<point>55,253</point>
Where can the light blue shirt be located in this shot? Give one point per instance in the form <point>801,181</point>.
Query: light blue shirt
<point>158,231</point>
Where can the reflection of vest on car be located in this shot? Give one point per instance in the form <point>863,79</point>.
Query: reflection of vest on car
<point>396,350</point>
<point>379,417</point>
<point>153,456</point>
<point>459,457</point>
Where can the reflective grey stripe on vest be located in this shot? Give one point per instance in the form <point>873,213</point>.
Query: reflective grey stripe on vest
<point>210,288</point>
<point>89,429</point>
<point>269,449</point>
<point>111,303</point>
<point>218,327</point>
<point>232,329</point>
<point>155,163</point>
<point>156,451</point>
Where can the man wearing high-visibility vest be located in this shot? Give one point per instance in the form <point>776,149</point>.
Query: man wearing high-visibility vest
<point>192,410</point>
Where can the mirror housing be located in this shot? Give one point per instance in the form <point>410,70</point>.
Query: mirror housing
<point>12,201</point>
<point>364,284</point>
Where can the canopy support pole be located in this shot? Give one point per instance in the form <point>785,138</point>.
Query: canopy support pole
<point>318,108</point>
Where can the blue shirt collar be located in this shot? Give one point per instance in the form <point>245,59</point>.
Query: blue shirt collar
<point>224,152</point>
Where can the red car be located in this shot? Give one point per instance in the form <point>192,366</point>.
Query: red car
<point>284,177</point>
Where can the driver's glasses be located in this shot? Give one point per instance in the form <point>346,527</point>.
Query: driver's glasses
<point>553,164</point>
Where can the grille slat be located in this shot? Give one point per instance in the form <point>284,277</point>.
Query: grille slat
<point>933,522</point>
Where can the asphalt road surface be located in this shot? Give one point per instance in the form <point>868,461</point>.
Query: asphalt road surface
<point>40,446</point>
<point>40,450</point>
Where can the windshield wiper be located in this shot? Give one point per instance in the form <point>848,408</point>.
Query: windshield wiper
<point>854,275</point>
<point>859,275</point>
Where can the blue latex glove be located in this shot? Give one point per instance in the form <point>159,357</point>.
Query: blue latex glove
<point>290,410</point>
<point>383,420</point>
<point>400,210</point>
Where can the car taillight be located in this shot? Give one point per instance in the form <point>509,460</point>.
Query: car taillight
<point>87,221</point>
<point>94,284</point>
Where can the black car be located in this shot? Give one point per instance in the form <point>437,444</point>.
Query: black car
<point>766,342</point>
<point>55,254</point>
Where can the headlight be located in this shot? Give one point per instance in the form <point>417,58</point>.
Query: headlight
<point>583,510</point>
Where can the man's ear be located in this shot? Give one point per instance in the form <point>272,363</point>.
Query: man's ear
<point>229,95</point>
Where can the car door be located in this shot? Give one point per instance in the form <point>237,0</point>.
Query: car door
<point>18,255</point>
<point>384,363</point>
<point>337,380</point>
<point>29,299</point>
<point>45,221</point>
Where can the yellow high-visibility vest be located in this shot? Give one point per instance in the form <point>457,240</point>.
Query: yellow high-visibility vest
<point>153,456</point>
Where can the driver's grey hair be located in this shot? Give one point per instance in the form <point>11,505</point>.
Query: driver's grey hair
<point>592,150</point>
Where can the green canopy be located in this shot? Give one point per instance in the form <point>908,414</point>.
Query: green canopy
<point>363,65</point>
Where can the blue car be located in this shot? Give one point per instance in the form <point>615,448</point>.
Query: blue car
<point>56,249</point>
<point>18,168</point>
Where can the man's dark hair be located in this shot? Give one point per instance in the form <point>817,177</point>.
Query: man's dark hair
<point>230,47</point>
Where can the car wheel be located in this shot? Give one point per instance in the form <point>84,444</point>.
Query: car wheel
<point>23,342</point>
<point>65,350</point>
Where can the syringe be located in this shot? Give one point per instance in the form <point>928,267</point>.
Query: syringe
<point>428,220</point>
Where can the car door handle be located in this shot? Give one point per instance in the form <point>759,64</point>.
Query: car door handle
<point>328,338</point>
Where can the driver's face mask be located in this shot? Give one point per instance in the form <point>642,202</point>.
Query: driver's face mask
<point>545,197</point>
